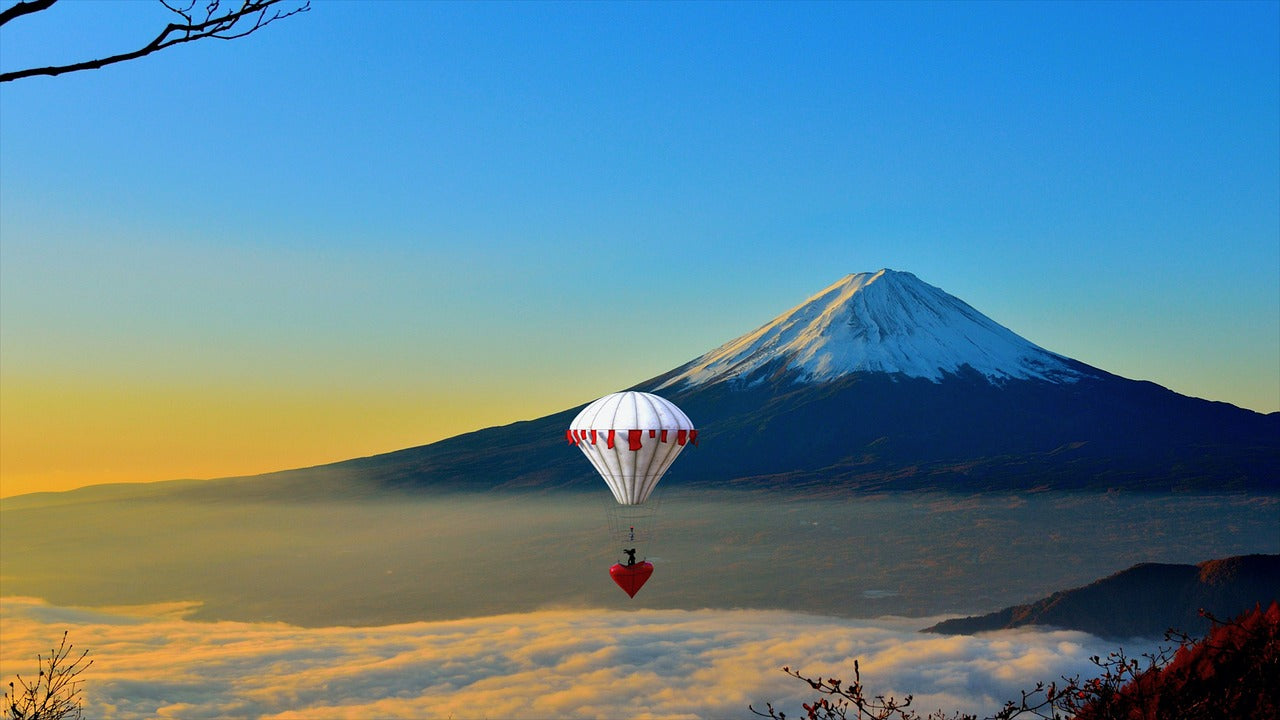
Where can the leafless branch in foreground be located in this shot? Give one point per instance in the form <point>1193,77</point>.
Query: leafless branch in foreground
<point>212,22</point>
<point>55,693</point>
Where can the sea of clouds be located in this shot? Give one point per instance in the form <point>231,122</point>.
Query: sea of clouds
<point>153,662</point>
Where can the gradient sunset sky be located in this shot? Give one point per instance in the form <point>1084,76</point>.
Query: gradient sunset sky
<point>379,224</point>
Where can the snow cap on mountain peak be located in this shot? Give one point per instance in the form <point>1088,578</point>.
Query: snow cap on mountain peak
<point>887,321</point>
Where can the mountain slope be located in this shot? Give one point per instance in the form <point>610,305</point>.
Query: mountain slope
<point>882,381</point>
<point>1144,600</point>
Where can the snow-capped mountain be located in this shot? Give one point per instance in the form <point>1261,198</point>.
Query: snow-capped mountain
<point>881,382</point>
<point>887,321</point>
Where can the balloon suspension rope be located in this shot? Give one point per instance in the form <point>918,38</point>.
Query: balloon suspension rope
<point>631,553</point>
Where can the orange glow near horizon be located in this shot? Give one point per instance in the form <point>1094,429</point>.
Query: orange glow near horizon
<point>60,437</point>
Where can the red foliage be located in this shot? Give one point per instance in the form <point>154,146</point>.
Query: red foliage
<point>1233,673</point>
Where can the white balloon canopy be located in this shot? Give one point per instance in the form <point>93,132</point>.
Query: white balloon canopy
<point>631,438</point>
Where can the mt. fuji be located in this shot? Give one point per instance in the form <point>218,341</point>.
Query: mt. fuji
<point>887,322</point>
<point>882,382</point>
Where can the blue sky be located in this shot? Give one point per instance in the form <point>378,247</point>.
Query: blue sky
<point>382,223</point>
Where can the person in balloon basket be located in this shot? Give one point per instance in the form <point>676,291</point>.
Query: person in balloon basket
<point>631,556</point>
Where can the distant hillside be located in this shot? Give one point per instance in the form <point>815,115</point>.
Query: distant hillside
<point>1144,600</point>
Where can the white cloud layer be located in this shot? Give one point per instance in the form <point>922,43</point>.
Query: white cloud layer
<point>571,663</point>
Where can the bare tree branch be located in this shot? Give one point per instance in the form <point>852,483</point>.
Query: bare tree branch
<point>24,7</point>
<point>252,15</point>
<point>55,693</point>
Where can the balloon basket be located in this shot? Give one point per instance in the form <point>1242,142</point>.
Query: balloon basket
<point>631,577</point>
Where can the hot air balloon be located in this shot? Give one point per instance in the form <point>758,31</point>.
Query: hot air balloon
<point>631,438</point>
